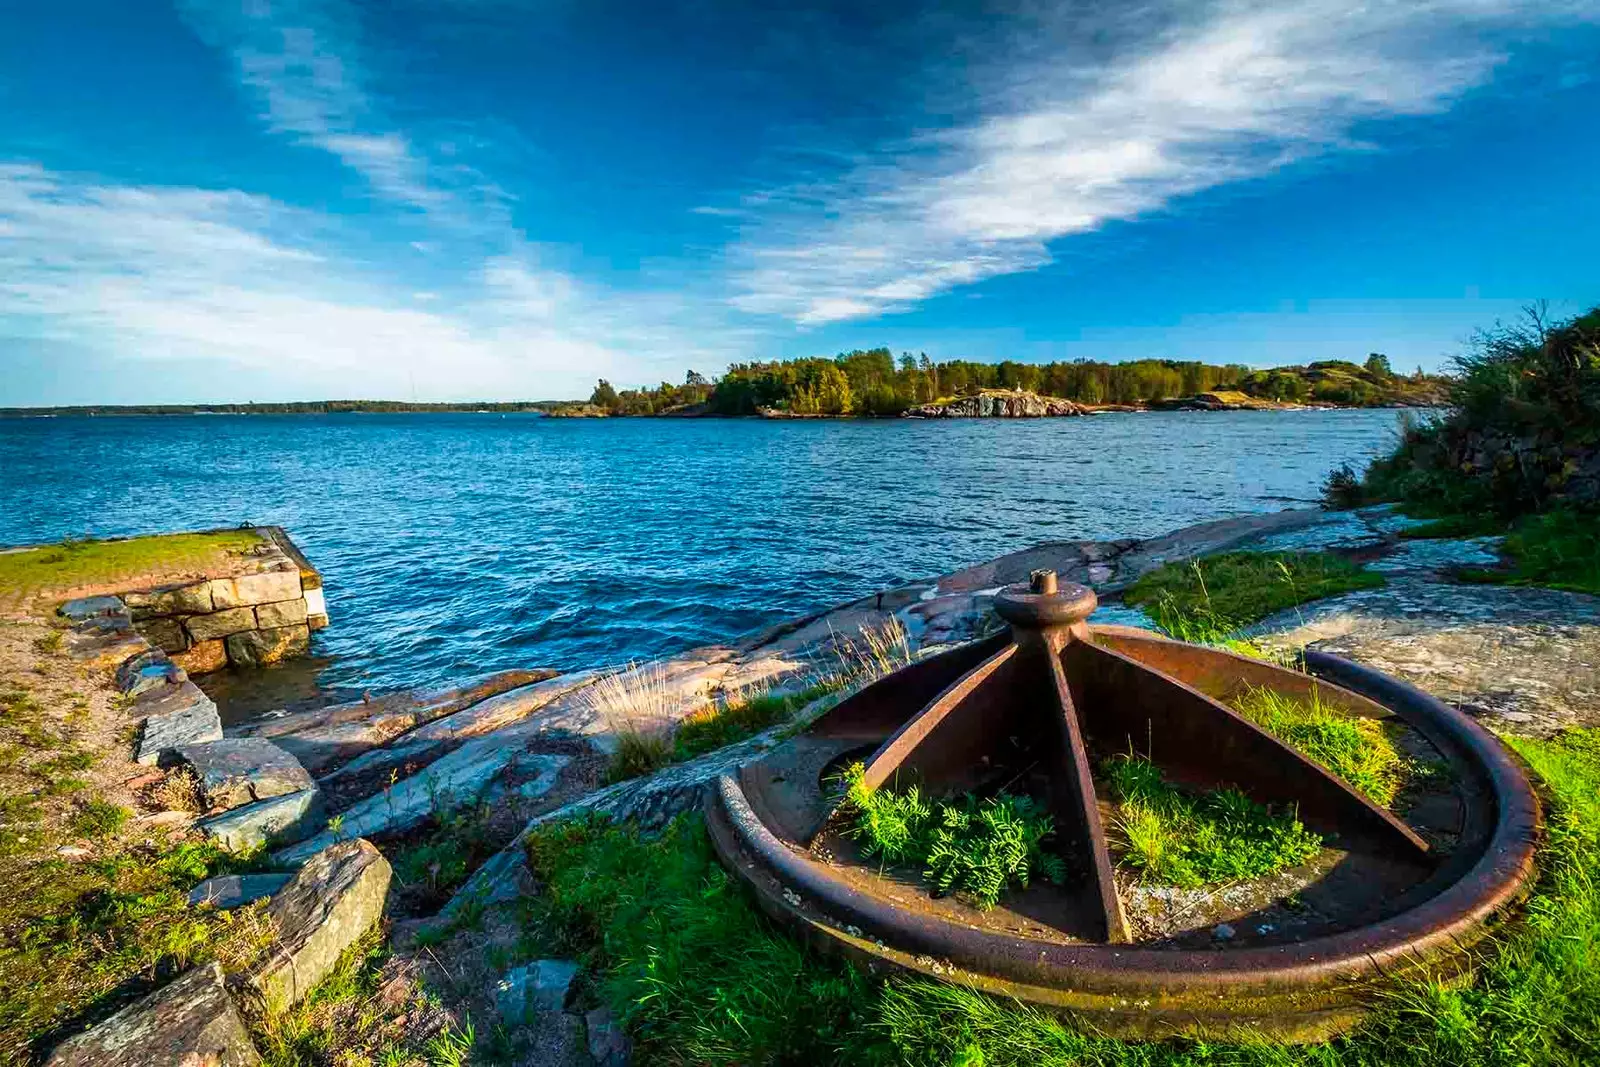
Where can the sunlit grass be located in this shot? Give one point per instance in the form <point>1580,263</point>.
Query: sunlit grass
<point>1355,749</point>
<point>78,564</point>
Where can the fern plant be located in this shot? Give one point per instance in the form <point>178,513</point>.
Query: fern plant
<point>975,848</point>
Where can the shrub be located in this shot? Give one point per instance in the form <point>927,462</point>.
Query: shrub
<point>974,848</point>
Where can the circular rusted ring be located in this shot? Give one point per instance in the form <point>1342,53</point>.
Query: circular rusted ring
<point>1106,982</point>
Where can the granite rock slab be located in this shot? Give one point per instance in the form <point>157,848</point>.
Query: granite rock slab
<point>191,1022</point>
<point>90,607</point>
<point>220,624</point>
<point>147,670</point>
<point>276,821</point>
<point>240,770</point>
<point>236,890</point>
<point>189,598</point>
<point>334,899</point>
<point>251,589</point>
<point>540,986</point>
<point>177,716</point>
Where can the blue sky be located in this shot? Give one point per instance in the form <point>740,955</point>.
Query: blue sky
<point>460,199</point>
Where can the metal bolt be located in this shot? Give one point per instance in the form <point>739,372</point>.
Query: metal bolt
<point>1043,582</point>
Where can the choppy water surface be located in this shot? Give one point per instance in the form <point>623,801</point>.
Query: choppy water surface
<point>452,544</point>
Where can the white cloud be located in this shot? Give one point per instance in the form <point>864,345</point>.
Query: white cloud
<point>159,273</point>
<point>1223,94</point>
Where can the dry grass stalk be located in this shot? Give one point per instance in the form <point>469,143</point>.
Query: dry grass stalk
<point>875,651</point>
<point>179,791</point>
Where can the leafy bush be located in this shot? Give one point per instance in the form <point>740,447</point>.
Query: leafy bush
<point>974,848</point>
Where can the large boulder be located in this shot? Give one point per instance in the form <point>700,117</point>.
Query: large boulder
<point>333,900</point>
<point>190,1023</point>
<point>239,770</point>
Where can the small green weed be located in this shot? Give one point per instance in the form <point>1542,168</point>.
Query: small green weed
<point>974,848</point>
<point>1179,838</point>
<point>1353,748</point>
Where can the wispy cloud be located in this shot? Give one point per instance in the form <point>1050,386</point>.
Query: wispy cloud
<point>161,272</point>
<point>1211,96</point>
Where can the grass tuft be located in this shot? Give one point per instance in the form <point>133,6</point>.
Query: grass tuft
<point>728,723</point>
<point>1174,837</point>
<point>1355,749</point>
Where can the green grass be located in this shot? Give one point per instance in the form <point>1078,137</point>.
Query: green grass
<point>726,724</point>
<point>700,977</point>
<point>1556,550</point>
<point>1353,748</point>
<point>432,867</point>
<point>1207,600</point>
<point>1175,837</point>
<point>74,564</point>
<point>1454,525</point>
<point>974,848</point>
<point>79,939</point>
<point>638,753</point>
<point>692,969</point>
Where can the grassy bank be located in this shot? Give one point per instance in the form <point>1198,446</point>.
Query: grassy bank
<point>93,564</point>
<point>1208,600</point>
<point>678,950</point>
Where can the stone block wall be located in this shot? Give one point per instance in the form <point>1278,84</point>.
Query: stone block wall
<point>262,615</point>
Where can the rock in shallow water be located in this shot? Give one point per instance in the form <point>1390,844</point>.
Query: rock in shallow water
<point>190,1023</point>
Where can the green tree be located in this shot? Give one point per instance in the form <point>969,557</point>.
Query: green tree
<point>1378,366</point>
<point>604,396</point>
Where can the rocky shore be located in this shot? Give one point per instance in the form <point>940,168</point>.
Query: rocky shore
<point>335,793</point>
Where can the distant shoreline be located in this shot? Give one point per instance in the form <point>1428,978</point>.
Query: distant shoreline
<point>571,409</point>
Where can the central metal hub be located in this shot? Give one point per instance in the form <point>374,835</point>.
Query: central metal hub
<point>1035,710</point>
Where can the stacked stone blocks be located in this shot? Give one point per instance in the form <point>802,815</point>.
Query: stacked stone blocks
<point>248,620</point>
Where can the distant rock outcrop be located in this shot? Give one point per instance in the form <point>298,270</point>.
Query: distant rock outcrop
<point>998,404</point>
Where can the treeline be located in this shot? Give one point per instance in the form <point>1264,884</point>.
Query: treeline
<point>300,407</point>
<point>873,382</point>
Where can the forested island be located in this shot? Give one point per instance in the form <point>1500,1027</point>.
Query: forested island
<point>874,383</point>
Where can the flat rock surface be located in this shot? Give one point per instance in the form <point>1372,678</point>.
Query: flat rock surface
<point>236,890</point>
<point>190,1022</point>
<point>174,717</point>
<point>240,770</point>
<point>332,901</point>
<point>279,820</point>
